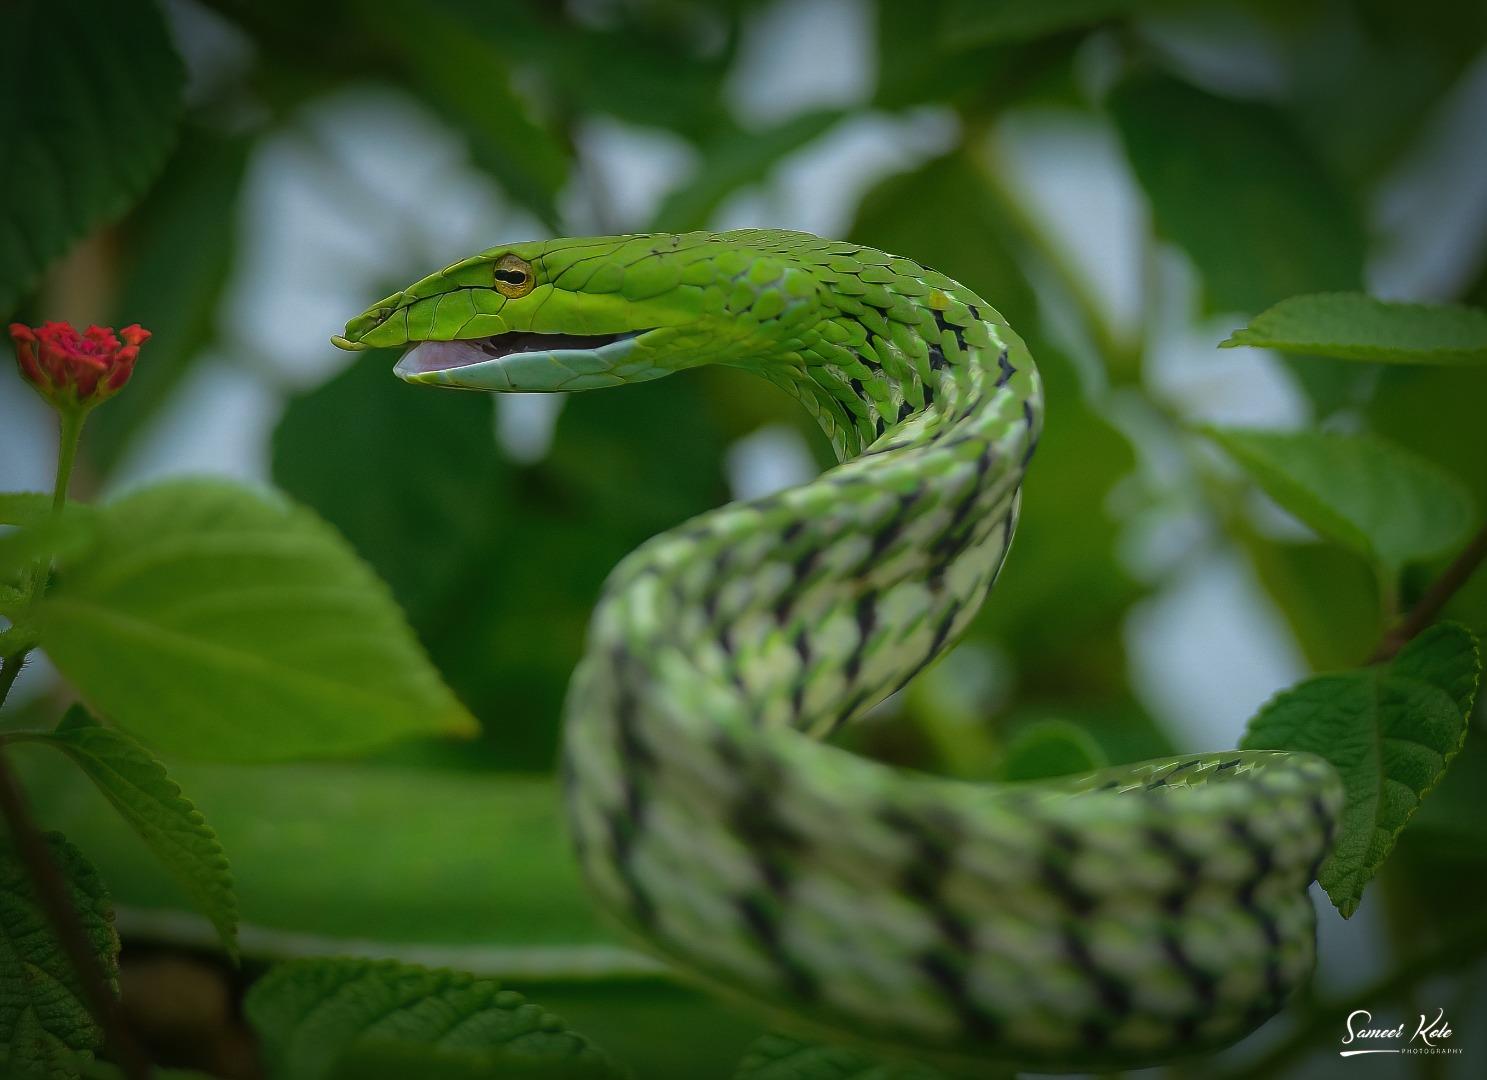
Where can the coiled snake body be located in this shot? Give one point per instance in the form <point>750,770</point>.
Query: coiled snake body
<point>1124,917</point>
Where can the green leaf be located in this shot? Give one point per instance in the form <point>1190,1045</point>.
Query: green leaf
<point>1051,748</point>
<point>784,1057</point>
<point>1376,498</point>
<point>515,896</point>
<point>81,1064</point>
<point>1330,597</point>
<point>215,621</point>
<point>431,519</point>
<point>329,1018</point>
<point>152,803</point>
<point>104,1070</point>
<point>979,22</point>
<point>20,549</point>
<point>32,508</point>
<point>1258,233</point>
<point>44,1022</point>
<point>309,884</point>
<point>453,526</point>
<point>89,96</point>
<point>23,507</point>
<point>382,1060</point>
<point>1390,730</point>
<point>1354,326</point>
<point>655,72</point>
<point>733,160</point>
<point>1454,436</point>
<point>38,538</point>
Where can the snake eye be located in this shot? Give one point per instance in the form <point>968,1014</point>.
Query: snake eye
<point>513,276</point>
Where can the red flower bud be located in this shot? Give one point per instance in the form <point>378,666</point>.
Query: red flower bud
<point>71,369</point>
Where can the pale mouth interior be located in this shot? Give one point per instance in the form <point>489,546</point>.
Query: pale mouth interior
<point>429,356</point>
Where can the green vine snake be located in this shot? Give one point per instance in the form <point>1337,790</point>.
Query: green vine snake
<point>1121,918</point>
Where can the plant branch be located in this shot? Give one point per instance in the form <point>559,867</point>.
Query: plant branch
<point>1435,598</point>
<point>52,894</point>
<point>1450,953</point>
<point>47,882</point>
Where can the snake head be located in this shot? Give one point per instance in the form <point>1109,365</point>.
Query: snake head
<point>580,314</point>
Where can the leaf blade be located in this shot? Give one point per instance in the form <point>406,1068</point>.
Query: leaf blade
<point>1355,326</point>
<point>155,807</point>
<point>1289,229</point>
<point>45,1023</point>
<point>785,1057</point>
<point>213,621</point>
<point>1386,503</point>
<point>1049,748</point>
<point>317,1018</point>
<point>79,153</point>
<point>1390,731</point>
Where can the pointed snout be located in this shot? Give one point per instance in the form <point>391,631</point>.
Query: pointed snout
<point>369,321</point>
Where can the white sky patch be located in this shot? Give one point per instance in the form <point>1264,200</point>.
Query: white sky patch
<point>633,167</point>
<point>1208,650</point>
<point>526,422</point>
<point>1185,367</point>
<point>1223,48</point>
<point>217,53</point>
<point>331,220</point>
<point>217,422</point>
<point>28,436</point>
<point>1069,170</point>
<point>1351,953</point>
<point>1153,542</point>
<point>974,681</point>
<point>798,55</point>
<point>36,677</point>
<point>1431,210</point>
<point>768,460</point>
<point>817,189</point>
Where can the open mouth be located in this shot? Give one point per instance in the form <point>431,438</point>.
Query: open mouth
<point>432,356</point>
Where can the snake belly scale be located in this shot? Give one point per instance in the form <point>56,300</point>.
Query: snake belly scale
<point>1137,914</point>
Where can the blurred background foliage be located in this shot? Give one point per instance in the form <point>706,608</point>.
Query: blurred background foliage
<point>1127,181</point>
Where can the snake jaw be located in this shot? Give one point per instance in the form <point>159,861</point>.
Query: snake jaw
<point>524,361</point>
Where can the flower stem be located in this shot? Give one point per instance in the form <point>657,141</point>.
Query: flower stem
<point>71,420</point>
<point>72,429</point>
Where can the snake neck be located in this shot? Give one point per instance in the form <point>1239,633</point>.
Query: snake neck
<point>795,606</point>
<point>900,353</point>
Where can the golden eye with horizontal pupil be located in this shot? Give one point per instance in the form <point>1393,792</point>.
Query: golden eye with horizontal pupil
<point>513,276</point>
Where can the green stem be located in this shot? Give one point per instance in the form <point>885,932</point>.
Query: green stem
<point>72,430</point>
<point>71,421</point>
<point>47,882</point>
<point>10,667</point>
